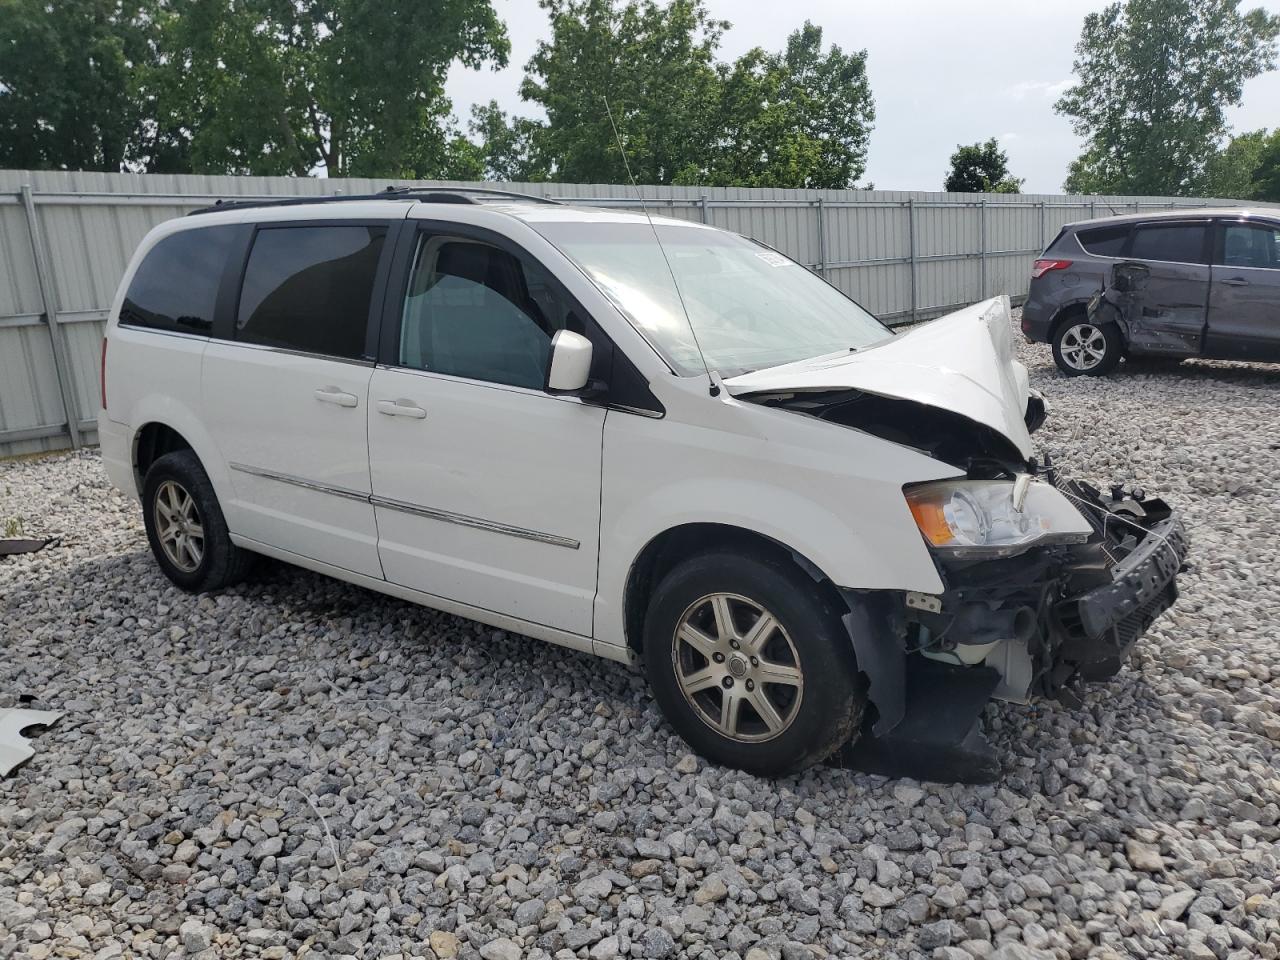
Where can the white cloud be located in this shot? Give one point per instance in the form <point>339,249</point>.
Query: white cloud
<point>1038,89</point>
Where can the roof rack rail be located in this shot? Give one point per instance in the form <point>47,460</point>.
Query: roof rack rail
<point>417,194</point>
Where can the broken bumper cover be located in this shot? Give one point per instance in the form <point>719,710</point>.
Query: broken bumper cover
<point>1063,615</point>
<point>1102,625</point>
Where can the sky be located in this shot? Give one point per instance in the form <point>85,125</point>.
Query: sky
<point>942,73</point>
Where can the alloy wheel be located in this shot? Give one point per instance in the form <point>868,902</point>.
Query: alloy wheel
<point>178,526</point>
<point>737,667</point>
<point>1083,346</point>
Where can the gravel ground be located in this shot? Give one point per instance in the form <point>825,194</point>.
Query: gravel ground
<point>301,768</point>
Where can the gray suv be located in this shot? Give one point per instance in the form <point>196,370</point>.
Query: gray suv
<point>1202,283</point>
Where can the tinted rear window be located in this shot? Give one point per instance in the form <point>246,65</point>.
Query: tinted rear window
<point>1175,242</point>
<point>309,288</point>
<point>1104,241</point>
<point>176,285</point>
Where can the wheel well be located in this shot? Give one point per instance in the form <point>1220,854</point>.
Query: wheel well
<point>1065,314</point>
<point>677,544</point>
<point>153,442</point>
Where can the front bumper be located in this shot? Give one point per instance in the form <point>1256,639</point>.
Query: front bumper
<point>1058,616</point>
<point>1103,624</point>
<point>1039,624</point>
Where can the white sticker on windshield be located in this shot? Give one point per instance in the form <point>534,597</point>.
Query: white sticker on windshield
<point>773,259</point>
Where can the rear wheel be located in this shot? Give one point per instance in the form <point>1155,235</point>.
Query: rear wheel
<point>185,526</point>
<point>751,664</point>
<point>1082,346</point>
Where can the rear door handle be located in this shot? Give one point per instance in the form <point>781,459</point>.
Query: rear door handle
<point>335,395</point>
<point>1235,281</point>
<point>401,408</point>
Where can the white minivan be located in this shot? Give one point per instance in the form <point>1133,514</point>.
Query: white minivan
<point>645,438</point>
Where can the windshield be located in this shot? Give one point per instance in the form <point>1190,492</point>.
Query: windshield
<point>750,306</point>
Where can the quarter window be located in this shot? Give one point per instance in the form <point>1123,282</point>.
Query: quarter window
<point>175,287</point>
<point>474,310</point>
<point>1104,241</point>
<point>1251,245</point>
<point>1172,242</point>
<point>309,288</point>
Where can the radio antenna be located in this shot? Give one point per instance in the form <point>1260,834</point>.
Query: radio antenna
<point>711,381</point>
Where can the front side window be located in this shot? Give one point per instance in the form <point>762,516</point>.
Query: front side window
<point>175,287</point>
<point>1171,242</point>
<point>474,310</point>
<point>309,288</point>
<point>750,306</point>
<point>1251,245</point>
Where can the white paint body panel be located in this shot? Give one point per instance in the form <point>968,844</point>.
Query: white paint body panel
<point>830,494</point>
<point>261,408</point>
<point>548,465</point>
<point>493,455</point>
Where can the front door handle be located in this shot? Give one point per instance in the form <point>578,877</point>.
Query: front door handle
<point>1235,281</point>
<point>401,408</point>
<point>335,395</point>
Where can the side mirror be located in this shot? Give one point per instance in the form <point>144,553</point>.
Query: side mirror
<point>569,368</point>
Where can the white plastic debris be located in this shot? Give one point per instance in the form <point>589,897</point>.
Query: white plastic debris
<point>14,747</point>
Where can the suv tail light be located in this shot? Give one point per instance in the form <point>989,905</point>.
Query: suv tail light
<point>102,374</point>
<point>1041,267</point>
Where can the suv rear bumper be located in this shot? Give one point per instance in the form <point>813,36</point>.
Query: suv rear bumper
<point>1037,317</point>
<point>115,441</point>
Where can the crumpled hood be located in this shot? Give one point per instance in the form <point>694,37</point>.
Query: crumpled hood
<point>962,362</point>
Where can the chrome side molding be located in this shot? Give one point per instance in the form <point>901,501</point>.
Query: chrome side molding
<point>445,516</point>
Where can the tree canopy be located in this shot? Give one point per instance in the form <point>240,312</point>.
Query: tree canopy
<point>68,83</point>
<point>353,88</point>
<point>1229,172</point>
<point>798,117</point>
<point>981,168</point>
<point>1266,174</point>
<point>1153,81</point>
<point>254,86</point>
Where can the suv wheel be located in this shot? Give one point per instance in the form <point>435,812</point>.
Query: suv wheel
<point>185,526</point>
<point>750,663</point>
<point>1081,346</point>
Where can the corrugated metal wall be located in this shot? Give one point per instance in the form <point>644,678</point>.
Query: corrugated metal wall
<point>67,237</point>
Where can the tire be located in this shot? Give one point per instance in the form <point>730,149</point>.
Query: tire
<point>1083,347</point>
<point>811,718</point>
<point>177,501</point>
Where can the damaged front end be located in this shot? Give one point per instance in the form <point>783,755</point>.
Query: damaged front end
<point>1039,623</point>
<point>1046,582</point>
<point>1064,581</point>
<point>1057,615</point>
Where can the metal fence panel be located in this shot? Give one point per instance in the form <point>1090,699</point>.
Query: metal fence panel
<point>903,255</point>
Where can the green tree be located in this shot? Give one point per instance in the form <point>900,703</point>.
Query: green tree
<point>654,63</point>
<point>68,97</point>
<point>1153,78</point>
<point>1229,172</point>
<point>981,168</point>
<point>798,118</point>
<point>276,87</point>
<point>1266,175</point>
<point>504,148</point>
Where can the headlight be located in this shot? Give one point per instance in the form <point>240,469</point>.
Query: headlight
<point>980,518</point>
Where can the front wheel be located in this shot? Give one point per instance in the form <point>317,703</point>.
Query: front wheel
<point>750,663</point>
<point>1082,346</point>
